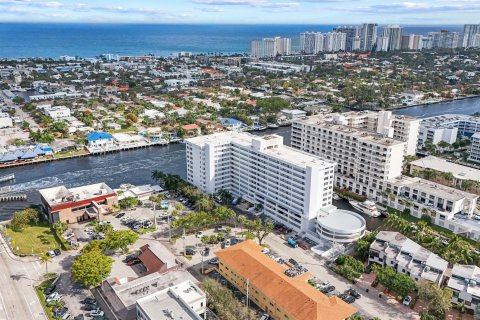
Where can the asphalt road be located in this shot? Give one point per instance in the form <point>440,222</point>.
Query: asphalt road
<point>18,299</point>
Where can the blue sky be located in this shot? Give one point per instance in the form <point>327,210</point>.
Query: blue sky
<point>413,12</point>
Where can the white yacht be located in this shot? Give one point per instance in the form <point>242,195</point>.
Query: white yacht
<point>367,207</point>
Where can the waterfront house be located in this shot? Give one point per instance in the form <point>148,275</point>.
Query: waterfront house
<point>77,204</point>
<point>100,141</point>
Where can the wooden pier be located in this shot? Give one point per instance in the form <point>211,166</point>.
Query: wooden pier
<point>13,197</point>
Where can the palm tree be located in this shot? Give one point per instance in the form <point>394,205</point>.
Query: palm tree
<point>45,258</point>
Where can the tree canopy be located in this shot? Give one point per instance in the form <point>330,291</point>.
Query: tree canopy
<point>119,239</point>
<point>91,268</point>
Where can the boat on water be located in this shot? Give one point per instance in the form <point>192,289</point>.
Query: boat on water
<point>272,126</point>
<point>368,207</point>
<point>336,196</point>
<point>7,177</point>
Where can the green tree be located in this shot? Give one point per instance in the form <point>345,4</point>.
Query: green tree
<point>22,219</point>
<point>120,239</point>
<point>60,227</point>
<point>362,247</point>
<point>397,282</point>
<point>258,227</point>
<point>45,258</point>
<point>18,100</point>
<point>128,202</point>
<point>205,204</point>
<point>438,300</point>
<point>91,268</point>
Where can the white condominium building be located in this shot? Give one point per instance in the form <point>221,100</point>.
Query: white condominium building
<point>292,186</point>
<point>364,159</point>
<point>474,152</point>
<point>467,125</point>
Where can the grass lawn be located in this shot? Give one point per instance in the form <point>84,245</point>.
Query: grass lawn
<point>70,154</point>
<point>34,239</point>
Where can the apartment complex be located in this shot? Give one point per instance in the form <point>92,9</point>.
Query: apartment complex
<point>465,284</point>
<point>470,31</point>
<point>393,34</point>
<point>77,204</point>
<point>316,42</point>
<point>290,185</point>
<point>466,125</point>
<point>366,145</point>
<point>281,296</point>
<point>474,152</point>
<point>448,207</point>
<point>393,249</point>
<point>368,36</point>
<point>271,47</point>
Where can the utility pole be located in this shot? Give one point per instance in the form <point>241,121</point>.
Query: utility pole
<point>248,302</point>
<point>169,227</point>
<point>184,243</point>
<point>154,216</point>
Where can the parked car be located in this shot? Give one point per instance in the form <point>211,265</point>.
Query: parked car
<point>53,297</point>
<point>199,234</point>
<point>97,312</point>
<point>66,316</point>
<point>79,317</point>
<point>59,312</point>
<point>90,307</point>
<point>234,241</point>
<point>57,252</point>
<point>407,300</point>
<point>133,262</point>
<point>227,243</point>
<point>354,293</point>
<point>49,290</point>
<point>189,252</point>
<point>121,214</point>
<point>349,299</point>
<point>51,253</point>
<point>89,300</point>
<point>213,261</point>
<point>68,236</point>
<point>265,316</point>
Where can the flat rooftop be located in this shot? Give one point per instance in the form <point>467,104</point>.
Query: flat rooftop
<point>459,171</point>
<point>131,291</point>
<point>279,151</point>
<point>61,194</point>
<point>341,220</point>
<point>172,303</point>
<point>320,121</point>
<point>433,188</point>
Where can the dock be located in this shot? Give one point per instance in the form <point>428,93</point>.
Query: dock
<point>13,197</point>
<point>7,177</point>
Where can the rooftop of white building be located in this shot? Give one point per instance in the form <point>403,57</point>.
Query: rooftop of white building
<point>340,220</point>
<point>446,119</point>
<point>172,303</point>
<point>465,278</point>
<point>398,247</point>
<point>274,147</point>
<point>61,194</point>
<point>128,292</point>
<point>432,188</point>
<point>459,171</point>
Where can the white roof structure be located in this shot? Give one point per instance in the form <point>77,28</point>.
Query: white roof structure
<point>442,165</point>
<point>58,195</point>
<point>271,145</point>
<point>172,303</point>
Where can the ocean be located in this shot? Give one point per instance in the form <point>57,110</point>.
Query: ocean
<point>23,40</point>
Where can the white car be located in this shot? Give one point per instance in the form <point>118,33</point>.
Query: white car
<point>54,297</point>
<point>51,253</point>
<point>68,236</point>
<point>97,312</point>
<point>407,300</point>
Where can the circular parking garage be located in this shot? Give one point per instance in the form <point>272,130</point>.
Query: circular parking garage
<point>340,226</point>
